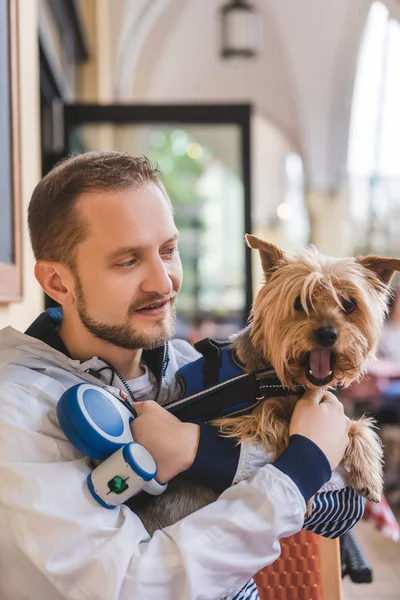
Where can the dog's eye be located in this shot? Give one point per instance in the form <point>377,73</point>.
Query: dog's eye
<point>297,304</point>
<point>349,305</point>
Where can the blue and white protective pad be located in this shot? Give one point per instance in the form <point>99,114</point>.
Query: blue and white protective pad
<point>94,421</point>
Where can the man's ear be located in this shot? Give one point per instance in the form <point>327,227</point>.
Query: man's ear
<point>55,279</point>
<point>271,256</point>
<point>384,268</point>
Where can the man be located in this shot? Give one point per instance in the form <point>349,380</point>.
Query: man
<point>106,245</point>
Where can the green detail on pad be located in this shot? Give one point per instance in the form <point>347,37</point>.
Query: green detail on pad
<point>117,485</point>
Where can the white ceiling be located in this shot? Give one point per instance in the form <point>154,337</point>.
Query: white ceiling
<point>167,51</point>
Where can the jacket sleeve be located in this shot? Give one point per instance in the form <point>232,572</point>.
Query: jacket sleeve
<point>336,508</point>
<point>52,524</point>
<point>217,460</point>
<point>87,551</point>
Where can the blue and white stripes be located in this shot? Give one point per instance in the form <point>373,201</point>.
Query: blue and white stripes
<point>248,592</point>
<point>335,512</point>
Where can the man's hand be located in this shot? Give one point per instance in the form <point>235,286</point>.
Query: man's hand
<point>172,444</point>
<point>319,416</point>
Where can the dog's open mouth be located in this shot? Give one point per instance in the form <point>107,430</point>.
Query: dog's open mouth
<point>319,366</point>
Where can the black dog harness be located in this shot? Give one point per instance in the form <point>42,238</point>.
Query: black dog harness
<point>216,385</point>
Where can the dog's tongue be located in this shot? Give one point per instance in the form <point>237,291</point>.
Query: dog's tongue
<point>320,362</point>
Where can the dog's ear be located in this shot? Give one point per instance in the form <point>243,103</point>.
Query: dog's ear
<point>383,267</point>
<point>270,254</point>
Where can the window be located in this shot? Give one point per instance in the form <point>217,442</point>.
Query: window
<point>10,272</point>
<point>374,142</point>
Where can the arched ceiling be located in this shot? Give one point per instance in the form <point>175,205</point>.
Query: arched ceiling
<point>168,51</point>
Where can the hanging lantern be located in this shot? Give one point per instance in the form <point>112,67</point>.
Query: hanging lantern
<point>241,30</point>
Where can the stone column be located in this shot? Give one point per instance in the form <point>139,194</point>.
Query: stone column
<point>330,228</point>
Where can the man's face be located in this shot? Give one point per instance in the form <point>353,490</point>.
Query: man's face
<point>128,270</point>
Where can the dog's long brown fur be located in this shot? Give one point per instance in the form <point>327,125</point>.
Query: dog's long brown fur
<point>300,295</point>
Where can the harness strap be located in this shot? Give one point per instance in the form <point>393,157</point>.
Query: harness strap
<point>212,352</point>
<point>226,398</point>
<point>218,400</point>
<point>217,386</point>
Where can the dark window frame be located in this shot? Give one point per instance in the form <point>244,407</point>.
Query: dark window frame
<point>10,206</point>
<point>135,114</point>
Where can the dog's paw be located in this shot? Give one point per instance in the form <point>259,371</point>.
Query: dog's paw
<point>372,496</point>
<point>369,485</point>
<point>363,457</point>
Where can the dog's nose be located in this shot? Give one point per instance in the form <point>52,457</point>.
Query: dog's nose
<point>326,336</point>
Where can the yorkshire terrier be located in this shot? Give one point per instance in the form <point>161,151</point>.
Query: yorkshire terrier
<point>316,320</point>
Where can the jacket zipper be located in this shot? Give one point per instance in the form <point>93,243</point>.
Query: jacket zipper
<point>163,370</point>
<point>125,383</point>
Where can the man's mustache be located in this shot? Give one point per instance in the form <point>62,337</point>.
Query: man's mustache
<point>150,300</point>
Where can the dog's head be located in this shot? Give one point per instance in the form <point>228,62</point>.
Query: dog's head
<point>317,319</point>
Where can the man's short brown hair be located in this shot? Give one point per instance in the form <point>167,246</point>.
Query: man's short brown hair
<point>55,226</point>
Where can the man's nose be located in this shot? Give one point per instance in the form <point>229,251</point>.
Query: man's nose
<point>157,278</point>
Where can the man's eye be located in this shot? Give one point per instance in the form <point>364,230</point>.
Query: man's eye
<point>170,251</point>
<point>128,263</point>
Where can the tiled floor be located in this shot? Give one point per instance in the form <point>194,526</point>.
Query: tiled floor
<point>384,556</point>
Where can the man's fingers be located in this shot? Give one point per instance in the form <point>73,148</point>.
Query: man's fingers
<point>330,398</point>
<point>142,406</point>
<point>138,406</point>
<point>315,396</point>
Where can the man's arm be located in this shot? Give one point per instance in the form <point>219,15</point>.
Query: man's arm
<point>336,507</point>
<point>221,462</point>
<point>217,461</point>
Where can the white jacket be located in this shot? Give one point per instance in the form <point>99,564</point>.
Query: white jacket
<point>57,543</point>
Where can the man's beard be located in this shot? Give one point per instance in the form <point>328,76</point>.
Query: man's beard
<point>125,336</point>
